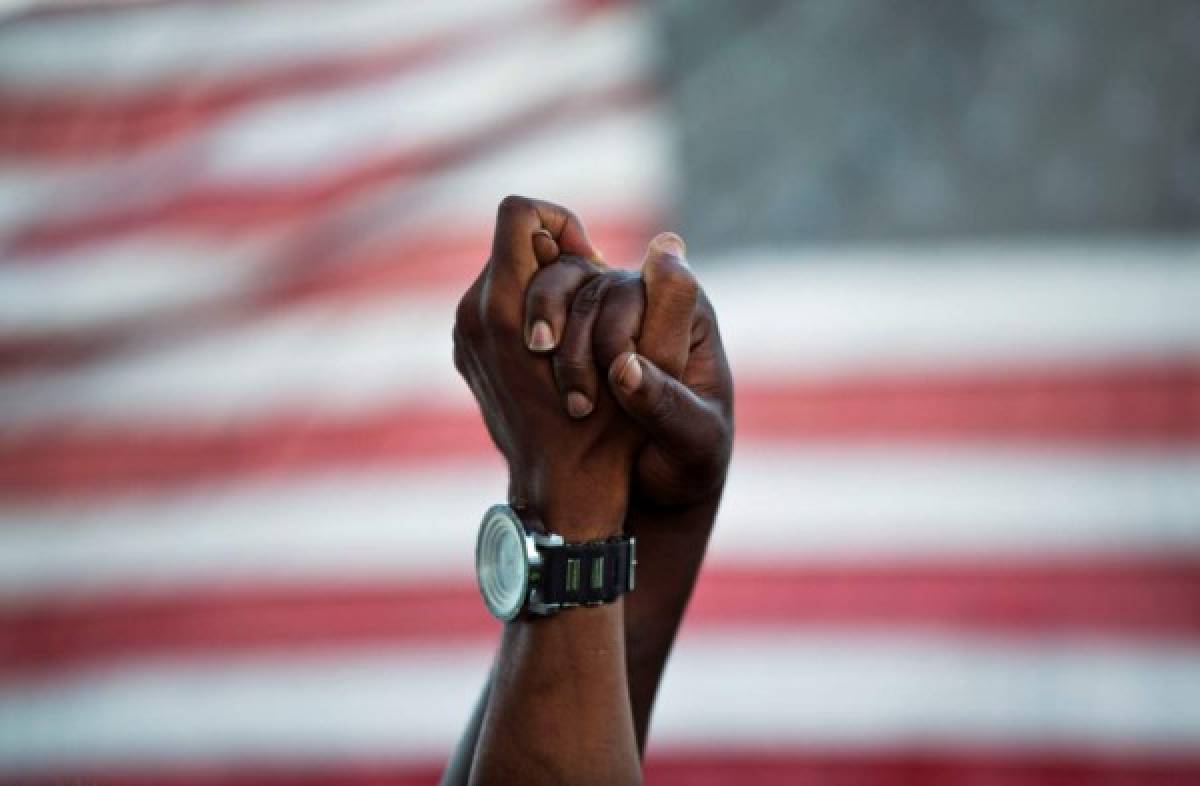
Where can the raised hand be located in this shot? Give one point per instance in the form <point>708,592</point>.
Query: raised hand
<point>652,343</point>
<point>557,709</point>
<point>628,424</point>
<point>571,473</point>
<point>654,339</point>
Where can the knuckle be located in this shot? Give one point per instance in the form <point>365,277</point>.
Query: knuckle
<point>466,318</point>
<point>716,434</point>
<point>588,299</point>
<point>499,317</point>
<point>626,301</point>
<point>705,448</point>
<point>514,205</point>
<point>717,451</point>
<point>664,403</point>
<point>677,280</point>
<point>704,325</point>
<point>572,367</point>
<point>464,307</point>
<point>618,324</point>
<point>609,346</point>
<point>584,303</point>
<point>542,301</point>
<point>569,216</point>
<point>712,436</point>
<point>461,349</point>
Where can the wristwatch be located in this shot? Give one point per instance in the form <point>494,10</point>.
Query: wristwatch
<point>534,573</point>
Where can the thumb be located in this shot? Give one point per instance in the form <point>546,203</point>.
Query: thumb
<point>671,295</point>
<point>672,415</point>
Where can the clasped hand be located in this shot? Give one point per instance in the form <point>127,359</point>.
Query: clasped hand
<point>602,388</point>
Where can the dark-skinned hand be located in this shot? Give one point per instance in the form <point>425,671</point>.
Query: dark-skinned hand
<point>654,338</point>
<point>571,473</point>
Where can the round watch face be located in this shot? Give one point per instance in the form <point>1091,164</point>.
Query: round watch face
<point>501,564</point>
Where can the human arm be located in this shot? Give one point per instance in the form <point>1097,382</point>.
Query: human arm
<point>557,709</point>
<point>683,405</point>
<point>667,318</point>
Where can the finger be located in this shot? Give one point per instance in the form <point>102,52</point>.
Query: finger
<point>671,294</point>
<point>672,415</point>
<point>619,321</point>
<point>545,247</point>
<point>549,297</point>
<point>574,369</point>
<point>603,322</point>
<point>514,259</point>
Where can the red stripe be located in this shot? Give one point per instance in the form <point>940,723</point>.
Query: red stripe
<point>66,460</point>
<point>1149,405</point>
<point>923,766</point>
<point>1149,402</point>
<point>1137,596</point>
<point>886,765</point>
<point>307,270</point>
<point>41,10</point>
<point>72,9</point>
<point>90,123</point>
<point>235,207</point>
<point>77,123</point>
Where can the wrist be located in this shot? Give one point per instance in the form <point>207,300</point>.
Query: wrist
<point>587,504</point>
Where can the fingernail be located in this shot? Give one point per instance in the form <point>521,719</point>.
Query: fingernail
<point>578,405</point>
<point>631,374</point>
<point>541,338</point>
<point>670,243</point>
<point>545,249</point>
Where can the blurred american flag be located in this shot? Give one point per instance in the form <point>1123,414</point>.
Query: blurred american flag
<point>240,480</point>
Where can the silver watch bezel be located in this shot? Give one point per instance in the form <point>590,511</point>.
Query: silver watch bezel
<point>530,597</point>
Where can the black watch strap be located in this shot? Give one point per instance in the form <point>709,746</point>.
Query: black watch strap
<point>589,573</point>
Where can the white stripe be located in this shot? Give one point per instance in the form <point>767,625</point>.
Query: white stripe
<point>835,504</point>
<point>143,47</point>
<point>734,691</point>
<point>985,308</point>
<point>850,502</point>
<point>130,279</point>
<point>294,139</point>
<point>826,688</point>
<point>278,362</point>
<point>935,306</point>
<point>436,106</point>
<point>625,173</point>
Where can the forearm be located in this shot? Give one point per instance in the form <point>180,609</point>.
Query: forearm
<point>557,703</point>
<point>558,711</point>
<point>561,699</point>
<point>671,546</point>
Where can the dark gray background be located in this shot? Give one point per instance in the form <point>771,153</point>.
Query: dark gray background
<point>868,120</point>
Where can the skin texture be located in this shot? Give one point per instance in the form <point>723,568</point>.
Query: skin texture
<point>556,464</point>
<point>558,707</point>
<point>629,418</point>
<point>683,406</point>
